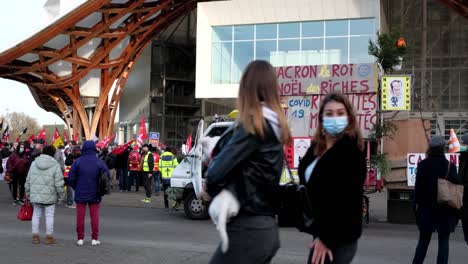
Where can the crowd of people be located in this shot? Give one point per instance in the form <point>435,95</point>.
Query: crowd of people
<point>247,161</point>
<point>72,174</point>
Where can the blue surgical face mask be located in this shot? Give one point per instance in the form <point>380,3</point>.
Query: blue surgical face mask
<point>463,148</point>
<point>335,125</point>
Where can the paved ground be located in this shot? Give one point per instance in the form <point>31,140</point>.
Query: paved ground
<point>132,232</point>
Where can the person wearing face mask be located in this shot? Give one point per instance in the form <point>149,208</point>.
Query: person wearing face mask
<point>333,171</point>
<point>18,166</point>
<point>463,176</point>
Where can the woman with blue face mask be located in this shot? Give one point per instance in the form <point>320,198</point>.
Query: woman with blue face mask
<point>333,171</point>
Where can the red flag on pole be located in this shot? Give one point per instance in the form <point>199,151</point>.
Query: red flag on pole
<point>122,148</point>
<point>105,142</point>
<point>76,137</point>
<point>56,135</point>
<point>189,143</point>
<point>42,134</point>
<point>31,138</point>
<point>142,135</point>
<point>65,135</point>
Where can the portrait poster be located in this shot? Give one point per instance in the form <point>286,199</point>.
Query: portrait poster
<point>396,93</point>
<point>301,145</point>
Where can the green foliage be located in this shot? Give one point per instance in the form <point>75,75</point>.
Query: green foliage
<point>381,163</point>
<point>387,129</point>
<point>386,51</point>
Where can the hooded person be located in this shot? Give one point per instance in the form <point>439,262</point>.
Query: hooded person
<point>17,167</point>
<point>44,186</point>
<point>84,178</point>
<point>463,176</point>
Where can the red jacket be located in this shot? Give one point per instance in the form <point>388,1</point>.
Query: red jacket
<point>134,161</point>
<point>18,164</point>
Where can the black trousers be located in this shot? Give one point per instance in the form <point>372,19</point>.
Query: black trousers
<point>341,255</point>
<point>148,183</point>
<point>166,183</point>
<point>18,183</point>
<point>134,178</point>
<point>423,244</point>
<point>252,240</point>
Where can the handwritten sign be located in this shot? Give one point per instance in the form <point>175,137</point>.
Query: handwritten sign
<point>324,79</point>
<point>154,139</point>
<point>303,87</point>
<point>413,160</point>
<point>396,93</point>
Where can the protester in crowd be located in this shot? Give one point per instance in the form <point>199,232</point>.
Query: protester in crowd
<point>58,156</point>
<point>333,171</point>
<point>71,157</point>
<point>84,178</point>
<point>39,144</point>
<point>44,186</point>
<point>248,160</point>
<point>167,163</point>
<point>134,166</point>
<point>463,176</point>
<point>110,160</point>
<point>17,167</point>
<point>431,216</point>
<point>147,165</point>
<point>121,166</point>
<point>6,151</point>
<point>156,172</point>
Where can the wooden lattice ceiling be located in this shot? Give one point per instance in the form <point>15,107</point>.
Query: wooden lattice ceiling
<point>101,39</point>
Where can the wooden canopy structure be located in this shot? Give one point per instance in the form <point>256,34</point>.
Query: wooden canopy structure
<point>77,67</point>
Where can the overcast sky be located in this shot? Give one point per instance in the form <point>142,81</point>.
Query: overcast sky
<point>18,20</point>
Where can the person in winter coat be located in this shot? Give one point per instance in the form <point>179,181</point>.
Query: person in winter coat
<point>463,176</point>
<point>17,166</point>
<point>84,178</point>
<point>431,216</point>
<point>333,171</point>
<point>44,186</point>
<point>73,155</point>
<point>58,156</point>
<point>248,162</point>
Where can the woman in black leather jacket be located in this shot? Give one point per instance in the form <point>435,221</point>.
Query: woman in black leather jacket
<point>248,161</point>
<point>333,171</point>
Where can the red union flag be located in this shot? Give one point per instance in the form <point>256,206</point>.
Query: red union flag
<point>65,135</point>
<point>105,142</point>
<point>56,134</point>
<point>42,134</point>
<point>142,135</point>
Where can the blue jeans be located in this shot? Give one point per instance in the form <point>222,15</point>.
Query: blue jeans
<point>157,179</point>
<point>423,244</point>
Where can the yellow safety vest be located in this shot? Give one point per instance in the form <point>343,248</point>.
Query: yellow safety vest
<point>167,164</point>
<point>145,162</point>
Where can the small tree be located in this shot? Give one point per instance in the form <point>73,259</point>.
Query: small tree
<point>389,50</point>
<point>17,122</point>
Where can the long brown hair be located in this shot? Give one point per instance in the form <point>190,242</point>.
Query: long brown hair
<point>352,131</point>
<point>259,85</point>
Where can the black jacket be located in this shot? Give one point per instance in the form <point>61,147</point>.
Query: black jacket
<point>463,176</point>
<point>430,215</point>
<point>335,189</point>
<point>248,166</point>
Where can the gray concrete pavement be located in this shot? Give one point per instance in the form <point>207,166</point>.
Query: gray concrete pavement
<point>132,232</point>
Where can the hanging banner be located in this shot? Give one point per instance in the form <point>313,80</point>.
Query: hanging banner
<point>413,160</point>
<point>396,93</point>
<point>324,79</point>
<point>303,87</point>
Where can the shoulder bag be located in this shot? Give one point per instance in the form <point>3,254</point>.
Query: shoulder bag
<point>448,192</point>
<point>294,205</point>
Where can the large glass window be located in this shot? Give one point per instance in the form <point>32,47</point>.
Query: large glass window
<point>298,43</point>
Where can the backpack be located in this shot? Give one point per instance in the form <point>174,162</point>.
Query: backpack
<point>104,184</point>
<point>134,159</point>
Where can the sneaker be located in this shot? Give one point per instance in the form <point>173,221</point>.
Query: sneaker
<point>36,239</point>
<point>95,242</point>
<point>147,200</point>
<point>50,240</point>
<point>80,242</point>
<point>71,206</point>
